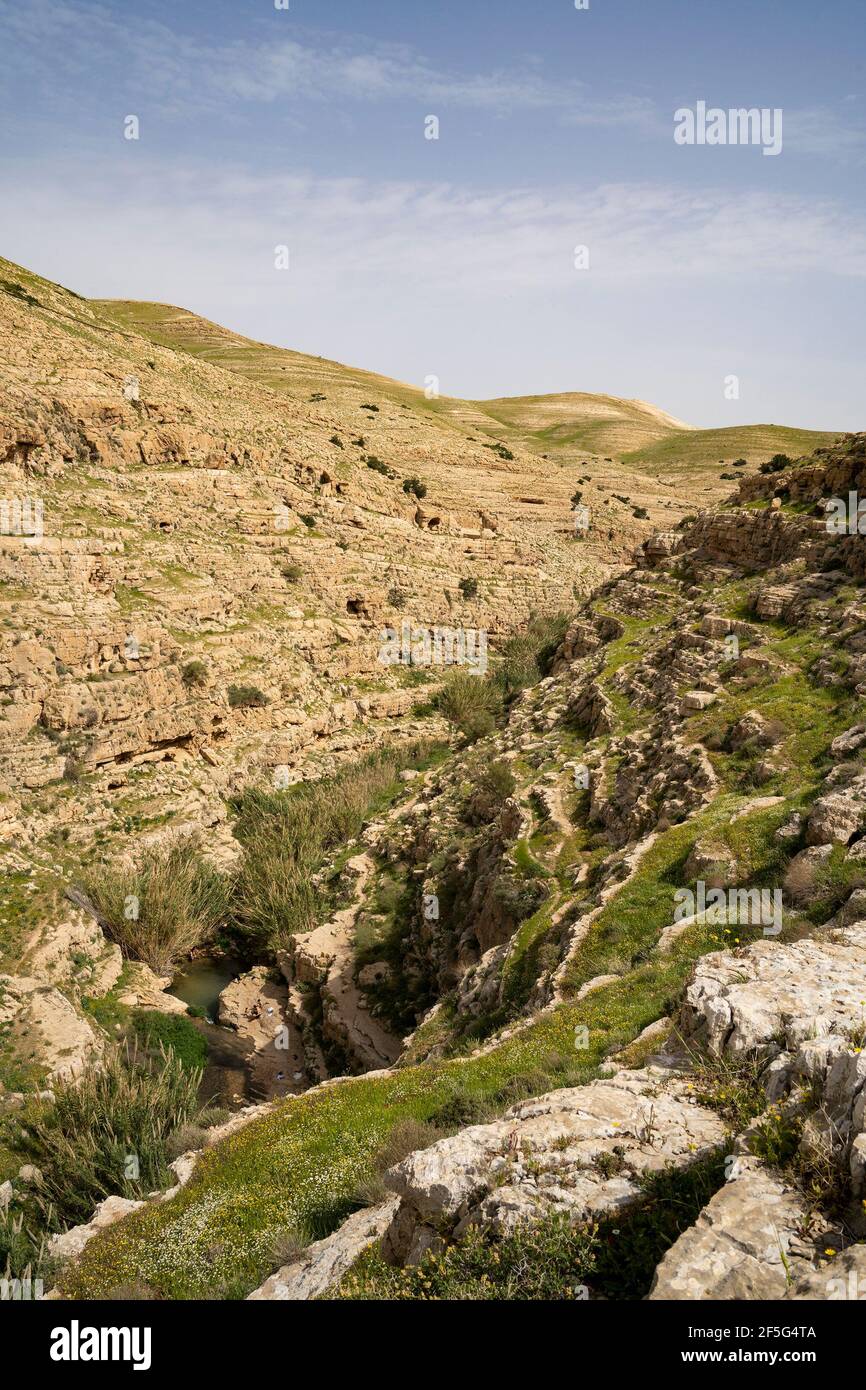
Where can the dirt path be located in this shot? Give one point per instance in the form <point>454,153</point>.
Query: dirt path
<point>328,953</point>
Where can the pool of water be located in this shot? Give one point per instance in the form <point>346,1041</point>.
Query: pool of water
<point>201,982</point>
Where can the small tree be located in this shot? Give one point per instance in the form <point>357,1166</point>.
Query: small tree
<point>246,697</point>
<point>195,674</point>
<point>414,487</point>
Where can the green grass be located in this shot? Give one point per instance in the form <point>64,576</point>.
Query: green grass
<point>173,1033</point>
<point>753,442</point>
<point>287,837</point>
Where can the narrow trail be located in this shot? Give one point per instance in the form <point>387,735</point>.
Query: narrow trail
<point>344,1004</point>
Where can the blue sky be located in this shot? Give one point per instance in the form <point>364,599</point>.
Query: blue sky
<point>455,257</point>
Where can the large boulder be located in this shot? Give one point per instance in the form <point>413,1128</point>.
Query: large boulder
<point>43,1029</point>
<point>583,1152</point>
<point>324,1263</point>
<point>744,1243</point>
<point>772,996</point>
<point>839,814</point>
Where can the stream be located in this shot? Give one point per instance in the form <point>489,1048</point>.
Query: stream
<point>227,1078</point>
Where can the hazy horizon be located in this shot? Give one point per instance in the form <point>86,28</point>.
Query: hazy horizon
<point>456,257</point>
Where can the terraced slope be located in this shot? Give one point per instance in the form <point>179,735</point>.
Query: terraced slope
<point>630,460</point>
<point>596,424</point>
<point>679,454</point>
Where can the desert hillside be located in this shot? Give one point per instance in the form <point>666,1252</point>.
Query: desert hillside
<point>358,814</point>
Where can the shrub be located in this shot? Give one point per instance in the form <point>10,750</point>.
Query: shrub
<point>415,487</point>
<point>500,451</point>
<point>308,519</point>
<point>121,1109</point>
<point>550,1259</point>
<point>287,836</point>
<point>462,1108</point>
<point>741,463</point>
<point>246,697</point>
<point>165,908</point>
<point>398,598</point>
<point>194,673</point>
<point>528,656</point>
<point>336,441</point>
<point>495,783</point>
<point>468,587</point>
<point>74,768</point>
<point>776,464</point>
<point>379,467</point>
<point>171,1032</point>
<point>291,573</point>
<point>470,704</point>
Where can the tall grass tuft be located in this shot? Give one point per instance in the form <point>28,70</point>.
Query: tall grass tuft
<point>528,655</point>
<point>471,704</point>
<point>105,1132</point>
<point>161,910</point>
<point>287,836</point>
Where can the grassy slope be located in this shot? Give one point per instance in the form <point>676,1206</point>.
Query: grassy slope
<point>595,424</point>
<point>753,442</point>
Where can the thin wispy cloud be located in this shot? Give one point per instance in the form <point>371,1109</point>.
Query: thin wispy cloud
<point>184,74</point>
<point>390,237</point>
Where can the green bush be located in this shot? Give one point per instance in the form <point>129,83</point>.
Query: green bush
<point>158,1032</point>
<point>528,656</point>
<point>470,704</point>
<point>246,697</point>
<point>292,573</point>
<point>414,487</point>
<point>468,587</point>
<point>494,784</point>
<point>163,909</point>
<point>194,673</point>
<point>379,467</point>
<point>105,1133</point>
<point>776,464</point>
<point>542,1260</point>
